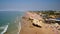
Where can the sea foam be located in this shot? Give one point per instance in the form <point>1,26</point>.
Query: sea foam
<point>4,28</point>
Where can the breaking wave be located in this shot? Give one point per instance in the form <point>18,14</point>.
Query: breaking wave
<point>4,28</point>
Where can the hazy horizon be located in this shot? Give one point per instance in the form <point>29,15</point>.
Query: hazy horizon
<point>25,5</point>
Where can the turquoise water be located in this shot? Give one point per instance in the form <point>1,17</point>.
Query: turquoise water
<point>10,22</point>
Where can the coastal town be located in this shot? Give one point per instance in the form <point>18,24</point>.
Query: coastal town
<point>40,22</point>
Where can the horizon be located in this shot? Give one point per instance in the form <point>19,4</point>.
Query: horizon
<point>29,5</point>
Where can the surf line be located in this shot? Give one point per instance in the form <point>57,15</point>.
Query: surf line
<point>19,25</point>
<point>5,29</point>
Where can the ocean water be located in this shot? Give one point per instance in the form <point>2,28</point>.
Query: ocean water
<point>10,22</point>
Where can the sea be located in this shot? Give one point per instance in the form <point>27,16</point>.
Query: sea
<point>10,22</point>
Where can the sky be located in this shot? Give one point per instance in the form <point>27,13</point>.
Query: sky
<point>24,5</point>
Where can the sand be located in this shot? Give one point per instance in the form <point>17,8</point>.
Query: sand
<point>28,28</point>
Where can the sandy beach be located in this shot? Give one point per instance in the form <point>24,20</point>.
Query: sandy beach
<point>28,28</point>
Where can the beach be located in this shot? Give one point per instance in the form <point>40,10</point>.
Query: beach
<point>28,28</point>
